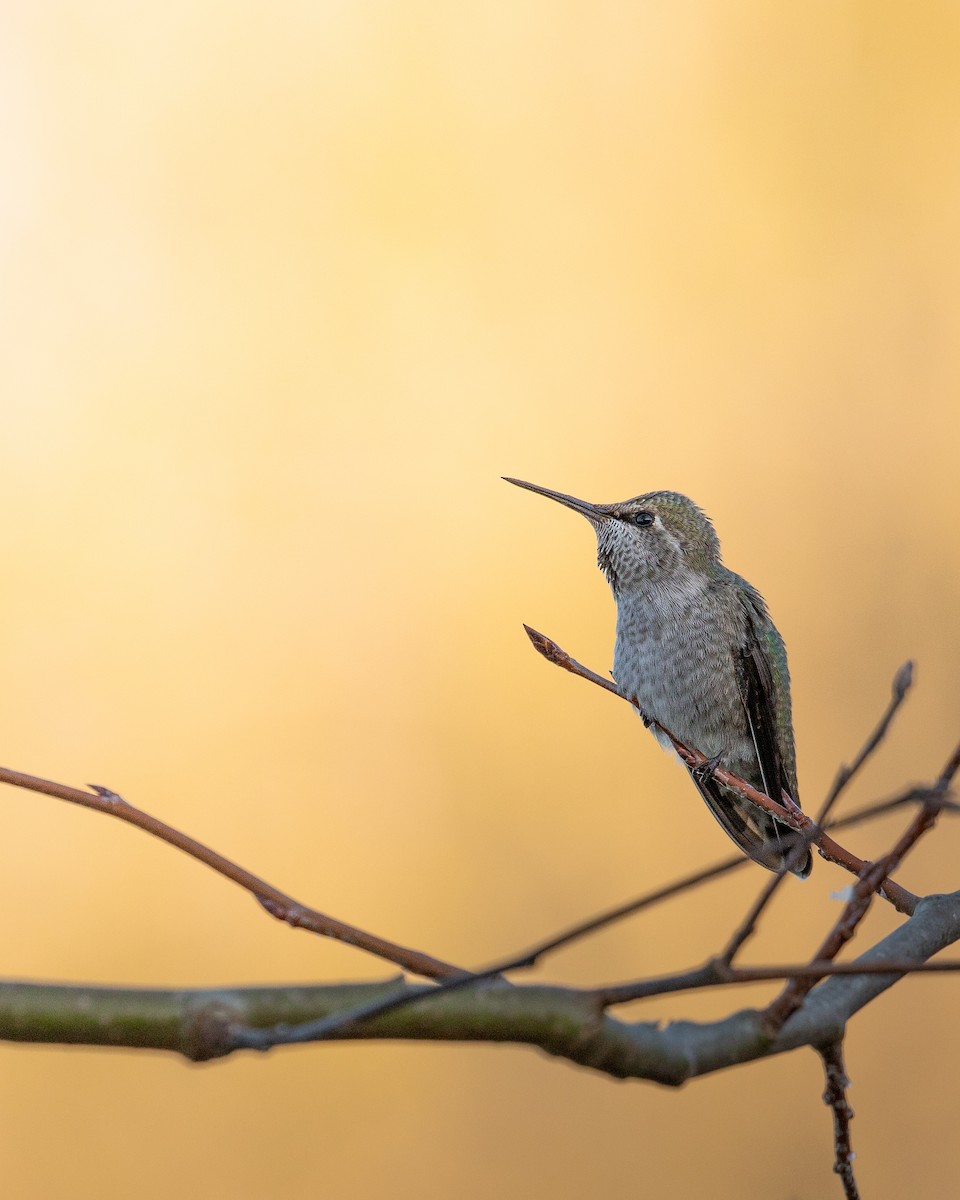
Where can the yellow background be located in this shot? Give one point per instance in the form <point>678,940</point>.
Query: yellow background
<point>285,290</point>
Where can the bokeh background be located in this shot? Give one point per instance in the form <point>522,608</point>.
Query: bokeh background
<point>285,289</point>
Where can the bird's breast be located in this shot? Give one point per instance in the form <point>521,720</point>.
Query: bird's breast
<point>680,665</point>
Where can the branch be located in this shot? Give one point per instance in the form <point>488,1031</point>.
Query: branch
<point>748,925</point>
<point>835,1097</point>
<point>570,1023</point>
<point>902,682</point>
<point>878,808</point>
<point>716,973</point>
<point>567,1022</point>
<point>902,900</point>
<point>276,903</point>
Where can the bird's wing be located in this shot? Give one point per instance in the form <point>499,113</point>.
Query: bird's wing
<point>766,702</point>
<point>755,681</point>
<point>759,836</point>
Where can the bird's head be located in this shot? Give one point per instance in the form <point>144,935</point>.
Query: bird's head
<point>650,540</point>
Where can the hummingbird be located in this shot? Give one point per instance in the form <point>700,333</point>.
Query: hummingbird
<point>698,653</point>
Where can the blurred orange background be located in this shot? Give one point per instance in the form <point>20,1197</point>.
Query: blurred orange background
<point>285,291</point>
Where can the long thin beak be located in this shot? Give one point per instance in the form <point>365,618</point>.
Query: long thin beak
<point>593,512</point>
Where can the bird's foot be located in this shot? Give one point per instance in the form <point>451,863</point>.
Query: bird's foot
<point>705,771</point>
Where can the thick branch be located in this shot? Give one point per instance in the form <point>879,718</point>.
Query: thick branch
<point>566,1022</point>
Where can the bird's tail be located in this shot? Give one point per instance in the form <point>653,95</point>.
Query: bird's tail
<point>762,837</point>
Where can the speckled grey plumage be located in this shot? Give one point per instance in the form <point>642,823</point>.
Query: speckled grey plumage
<point>697,649</point>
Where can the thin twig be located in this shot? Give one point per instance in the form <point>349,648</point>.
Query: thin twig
<point>902,900</point>
<point>879,808</point>
<point>835,1097</point>
<point>902,682</point>
<point>530,957</point>
<point>716,973</point>
<point>748,925</point>
<point>950,769</point>
<point>276,903</point>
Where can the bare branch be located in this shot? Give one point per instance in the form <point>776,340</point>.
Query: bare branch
<point>835,1097</point>
<point>276,903</point>
<point>748,925</point>
<point>209,1023</point>
<point>902,900</point>
<point>902,683</point>
<point>716,973</point>
<point>878,808</point>
<point>950,769</point>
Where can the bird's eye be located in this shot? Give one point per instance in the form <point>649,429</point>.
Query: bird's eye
<point>643,518</point>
